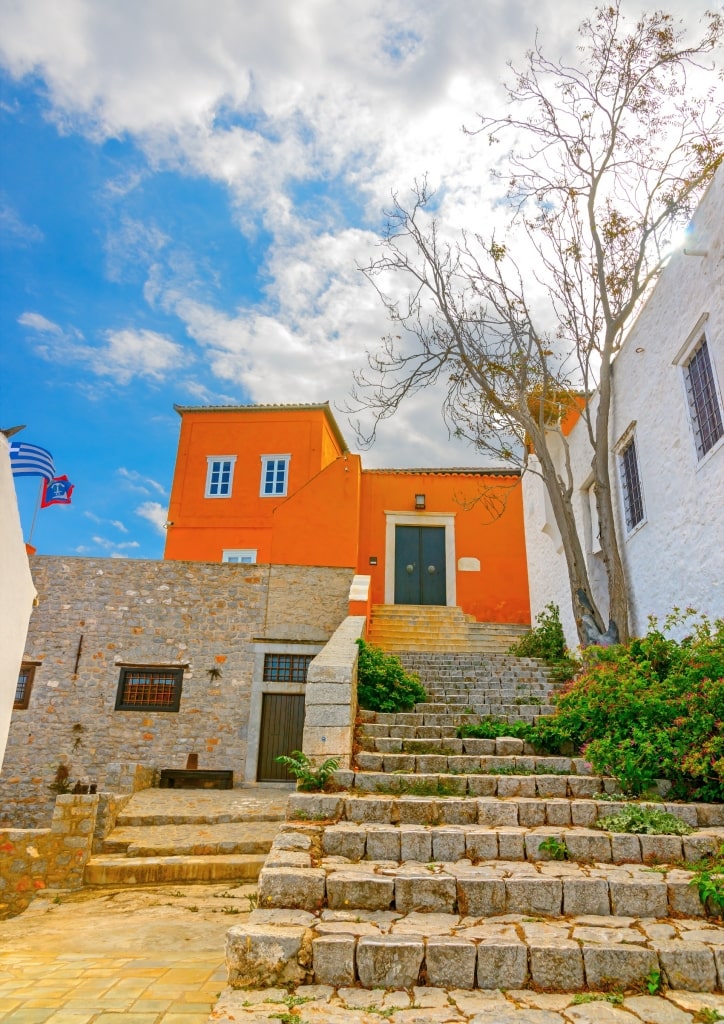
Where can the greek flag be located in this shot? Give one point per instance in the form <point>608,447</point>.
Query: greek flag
<point>30,460</point>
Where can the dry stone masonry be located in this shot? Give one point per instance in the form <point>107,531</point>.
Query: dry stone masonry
<point>475,865</point>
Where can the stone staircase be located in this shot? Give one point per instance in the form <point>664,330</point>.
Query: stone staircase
<point>476,864</point>
<point>173,835</point>
<point>396,627</point>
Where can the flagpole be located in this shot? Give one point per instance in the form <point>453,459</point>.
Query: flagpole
<point>35,514</point>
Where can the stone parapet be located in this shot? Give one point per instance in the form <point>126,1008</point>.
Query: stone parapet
<point>331,696</point>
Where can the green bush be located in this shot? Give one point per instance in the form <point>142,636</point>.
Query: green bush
<point>548,643</point>
<point>648,710</point>
<point>491,728</point>
<point>383,684</point>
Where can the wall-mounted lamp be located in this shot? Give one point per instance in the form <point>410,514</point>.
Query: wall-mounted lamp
<point>373,559</point>
<point>167,524</point>
<point>419,502</point>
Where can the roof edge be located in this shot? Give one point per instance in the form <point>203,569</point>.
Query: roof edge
<point>279,407</point>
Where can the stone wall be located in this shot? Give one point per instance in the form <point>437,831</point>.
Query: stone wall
<point>49,858</point>
<point>96,615</point>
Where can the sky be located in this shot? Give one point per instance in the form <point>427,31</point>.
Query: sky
<point>187,191</point>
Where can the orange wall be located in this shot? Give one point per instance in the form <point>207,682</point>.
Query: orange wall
<point>203,527</point>
<point>499,592</point>
<point>319,524</point>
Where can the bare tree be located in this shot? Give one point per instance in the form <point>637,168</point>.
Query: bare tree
<point>612,157</point>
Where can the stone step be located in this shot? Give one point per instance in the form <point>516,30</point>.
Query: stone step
<point>549,889</point>
<point>431,845</point>
<point>471,762</point>
<point>191,840</point>
<point>490,811</point>
<point>110,870</point>
<point>421,745</point>
<point>380,949</point>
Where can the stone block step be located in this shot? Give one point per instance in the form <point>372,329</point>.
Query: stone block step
<point>191,840</point>
<point>482,783</point>
<point>449,744</point>
<point>110,870</point>
<point>431,845</point>
<point>490,811</point>
<point>471,762</point>
<point>380,949</point>
<point>548,889</point>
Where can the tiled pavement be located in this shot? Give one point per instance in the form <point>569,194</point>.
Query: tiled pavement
<point>84,988</point>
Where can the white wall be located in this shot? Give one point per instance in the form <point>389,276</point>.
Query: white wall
<point>16,593</point>
<point>676,555</point>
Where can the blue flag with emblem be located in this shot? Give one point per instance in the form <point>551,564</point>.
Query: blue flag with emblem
<point>30,460</point>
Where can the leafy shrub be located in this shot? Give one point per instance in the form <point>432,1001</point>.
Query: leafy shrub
<point>491,728</point>
<point>651,709</point>
<point>649,821</point>
<point>548,643</point>
<point>309,777</point>
<point>383,684</point>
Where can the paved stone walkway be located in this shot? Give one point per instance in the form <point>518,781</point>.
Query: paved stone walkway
<point>320,1004</point>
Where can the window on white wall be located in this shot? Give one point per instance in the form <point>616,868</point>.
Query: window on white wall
<point>633,501</point>
<point>274,475</point>
<point>242,556</point>
<point>704,402</point>
<point>219,475</point>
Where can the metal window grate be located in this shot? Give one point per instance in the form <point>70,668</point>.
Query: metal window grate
<point>286,668</point>
<point>633,502</point>
<point>23,686</point>
<point>703,401</point>
<point>155,689</point>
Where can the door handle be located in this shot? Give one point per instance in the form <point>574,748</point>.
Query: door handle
<point>410,568</point>
<point>431,569</point>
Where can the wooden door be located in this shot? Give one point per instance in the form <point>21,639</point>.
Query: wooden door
<point>282,729</point>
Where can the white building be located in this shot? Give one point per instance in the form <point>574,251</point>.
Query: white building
<point>666,448</point>
<point>16,593</point>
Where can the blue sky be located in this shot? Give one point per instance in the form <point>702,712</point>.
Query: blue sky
<point>185,194</point>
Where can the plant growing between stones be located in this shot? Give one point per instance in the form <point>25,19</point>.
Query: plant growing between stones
<point>709,882</point>
<point>707,1015</point>
<point>653,982</point>
<point>555,848</point>
<point>615,998</point>
<point>547,642</point>
<point>648,821</point>
<point>309,778</point>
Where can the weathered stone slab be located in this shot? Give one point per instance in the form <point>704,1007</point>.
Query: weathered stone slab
<point>448,843</point>
<point>450,962</point>
<point>480,844</point>
<point>582,786</point>
<point>506,746</point>
<point>556,965</point>
<point>389,961</point>
<point>584,812</point>
<point>660,849</point>
<point>430,892</point>
<point>618,966</point>
<point>516,785</point>
<point>361,809</point>
<point>314,807</point>
<point>551,786</point>
<point>688,965</point>
<point>333,959</point>
<point>683,898</point>
<point>482,785</point>
<point>352,890</point>
<point>585,896</point>
<point>502,964</point>
<point>639,899</point>
<point>297,888</point>
<point>511,845</point>
<point>259,957</point>
<point>370,762</point>
<point>415,844</point>
<point>480,897</point>
<point>383,843</point>
<point>532,897</point>
<point>625,849</point>
<point>344,840</point>
<point>413,810</point>
<point>589,846</point>
<point>457,812</point>
<point>493,813</point>
<point>531,812</point>
<point>558,812</point>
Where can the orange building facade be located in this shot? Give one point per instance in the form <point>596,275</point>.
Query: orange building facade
<point>278,484</point>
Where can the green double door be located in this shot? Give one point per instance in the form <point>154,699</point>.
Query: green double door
<point>420,565</point>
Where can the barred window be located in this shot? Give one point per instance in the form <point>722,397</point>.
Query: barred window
<point>149,689</point>
<point>633,502</point>
<point>286,668</point>
<point>704,405</point>
<point>26,675</point>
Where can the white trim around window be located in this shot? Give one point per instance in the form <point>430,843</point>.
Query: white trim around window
<point>274,476</point>
<point>239,556</point>
<point>219,476</point>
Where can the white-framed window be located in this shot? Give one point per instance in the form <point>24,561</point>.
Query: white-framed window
<point>274,476</point>
<point>241,556</point>
<point>702,394</point>
<point>631,490</point>
<point>219,476</point>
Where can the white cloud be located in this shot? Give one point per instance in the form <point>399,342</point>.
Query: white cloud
<point>14,229</point>
<point>135,481</point>
<point>37,322</point>
<point>100,521</point>
<point>114,546</point>
<point>155,513</point>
